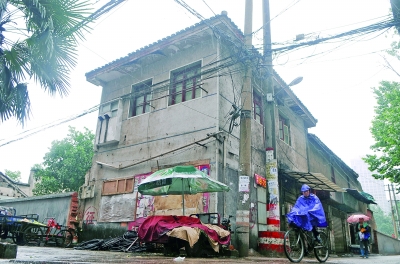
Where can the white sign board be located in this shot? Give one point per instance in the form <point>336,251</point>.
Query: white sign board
<point>244,184</point>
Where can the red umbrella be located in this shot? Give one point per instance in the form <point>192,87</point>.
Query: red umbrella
<point>356,217</point>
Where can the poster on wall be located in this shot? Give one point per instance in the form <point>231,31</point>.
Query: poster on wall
<point>206,196</point>
<point>148,205</point>
<point>244,184</point>
<point>144,203</point>
<point>273,216</point>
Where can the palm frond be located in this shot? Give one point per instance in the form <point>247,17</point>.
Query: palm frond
<point>47,52</point>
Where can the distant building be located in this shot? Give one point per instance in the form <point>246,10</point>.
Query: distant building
<point>371,185</point>
<point>12,189</point>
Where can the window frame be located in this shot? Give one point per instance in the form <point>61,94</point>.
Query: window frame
<point>139,90</point>
<point>257,102</point>
<point>193,81</point>
<point>110,108</point>
<point>284,130</point>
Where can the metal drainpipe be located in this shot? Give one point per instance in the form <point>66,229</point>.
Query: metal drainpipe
<point>105,132</point>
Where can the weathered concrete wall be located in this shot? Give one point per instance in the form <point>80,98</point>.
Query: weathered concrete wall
<point>386,245</point>
<point>320,162</point>
<point>53,205</point>
<point>118,208</point>
<point>293,156</point>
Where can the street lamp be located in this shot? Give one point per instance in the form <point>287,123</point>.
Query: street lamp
<point>296,81</point>
<point>270,96</point>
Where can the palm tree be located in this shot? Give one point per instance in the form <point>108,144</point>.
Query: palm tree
<point>38,41</point>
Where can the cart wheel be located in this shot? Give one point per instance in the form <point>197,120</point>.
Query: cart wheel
<point>4,234</point>
<point>32,236</point>
<point>63,238</point>
<point>18,238</point>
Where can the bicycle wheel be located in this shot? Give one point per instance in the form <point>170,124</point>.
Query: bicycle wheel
<point>63,238</point>
<point>32,236</point>
<point>293,245</point>
<point>322,251</point>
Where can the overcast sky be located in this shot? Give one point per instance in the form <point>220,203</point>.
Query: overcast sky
<point>336,88</point>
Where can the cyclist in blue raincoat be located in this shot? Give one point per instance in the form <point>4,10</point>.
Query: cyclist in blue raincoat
<point>307,212</point>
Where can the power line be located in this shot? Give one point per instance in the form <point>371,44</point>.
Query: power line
<point>31,132</point>
<point>360,31</point>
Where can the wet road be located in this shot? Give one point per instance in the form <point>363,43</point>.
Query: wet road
<point>36,255</point>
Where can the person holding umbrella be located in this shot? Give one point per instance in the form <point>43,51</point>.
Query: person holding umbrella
<point>364,232</point>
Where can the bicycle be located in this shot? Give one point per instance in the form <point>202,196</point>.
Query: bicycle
<point>295,240</point>
<point>57,234</point>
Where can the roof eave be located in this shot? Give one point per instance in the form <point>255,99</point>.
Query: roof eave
<point>301,110</point>
<point>157,47</point>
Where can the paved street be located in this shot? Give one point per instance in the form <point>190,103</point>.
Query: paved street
<point>36,255</point>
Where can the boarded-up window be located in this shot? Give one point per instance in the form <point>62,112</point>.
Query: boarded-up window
<point>118,186</point>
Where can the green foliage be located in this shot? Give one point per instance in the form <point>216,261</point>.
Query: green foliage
<point>386,132</point>
<point>38,40</point>
<point>383,221</point>
<point>14,175</point>
<point>66,164</point>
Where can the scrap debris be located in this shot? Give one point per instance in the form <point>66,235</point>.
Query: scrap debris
<point>128,242</point>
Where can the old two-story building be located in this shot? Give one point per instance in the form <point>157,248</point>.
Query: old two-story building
<point>178,102</point>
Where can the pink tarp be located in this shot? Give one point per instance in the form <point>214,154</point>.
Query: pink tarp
<point>154,227</point>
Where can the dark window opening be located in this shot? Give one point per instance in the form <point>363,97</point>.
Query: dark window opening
<point>258,110</point>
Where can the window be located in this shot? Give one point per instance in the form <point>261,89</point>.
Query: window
<point>257,108</point>
<point>185,84</point>
<point>114,108</point>
<point>140,102</point>
<point>111,109</point>
<point>284,130</point>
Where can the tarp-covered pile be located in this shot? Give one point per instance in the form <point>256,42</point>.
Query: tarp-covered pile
<point>156,228</point>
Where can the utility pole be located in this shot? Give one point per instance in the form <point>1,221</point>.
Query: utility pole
<point>392,210</point>
<point>269,114</point>
<point>396,210</point>
<point>243,205</point>
<point>271,171</point>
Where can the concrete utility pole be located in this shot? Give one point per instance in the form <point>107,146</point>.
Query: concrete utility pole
<point>243,205</point>
<point>397,222</point>
<point>396,234</point>
<point>269,113</point>
<point>270,116</point>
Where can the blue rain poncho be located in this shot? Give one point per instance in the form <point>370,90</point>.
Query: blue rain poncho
<point>307,212</point>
